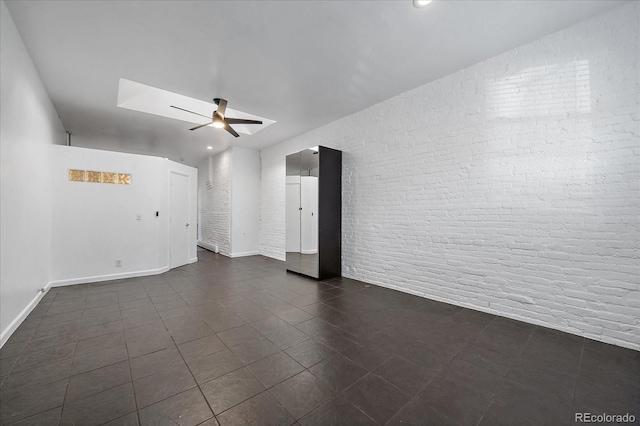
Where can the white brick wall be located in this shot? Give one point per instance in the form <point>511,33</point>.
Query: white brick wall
<point>511,187</point>
<point>214,201</point>
<point>228,202</point>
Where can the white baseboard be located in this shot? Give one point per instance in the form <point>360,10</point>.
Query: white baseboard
<point>110,277</point>
<point>212,247</point>
<point>243,254</point>
<point>207,246</point>
<point>7,332</point>
<point>309,251</point>
<point>271,256</point>
<point>491,311</point>
<point>13,326</point>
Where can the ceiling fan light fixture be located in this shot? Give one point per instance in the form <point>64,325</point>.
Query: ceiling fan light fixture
<point>421,3</point>
<point>218,124</point>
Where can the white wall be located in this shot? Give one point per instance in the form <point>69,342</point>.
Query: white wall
<point>52,230</point>
<point>94,224</point>
<point>229,202</point>
<point>510,187</point>
<point>245,202</point>
<point>214,202</point>
<point>29,125</point>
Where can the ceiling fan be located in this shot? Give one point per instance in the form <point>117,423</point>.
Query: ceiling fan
<point>218,119</point>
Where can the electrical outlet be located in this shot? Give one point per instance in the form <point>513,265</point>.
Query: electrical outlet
<point>118,263</point>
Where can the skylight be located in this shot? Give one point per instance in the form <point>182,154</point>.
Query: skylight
<point>151,100</point>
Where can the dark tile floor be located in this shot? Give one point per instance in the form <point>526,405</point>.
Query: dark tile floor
<point>239,341</point>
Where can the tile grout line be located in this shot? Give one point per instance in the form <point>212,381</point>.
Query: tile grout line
<point>135,400</point>
<point>73,357</point>
<point>524,345</point>
<point>411,398</point>
<point>575,384</point>
<point>191,372</point>
<point>362,309</point>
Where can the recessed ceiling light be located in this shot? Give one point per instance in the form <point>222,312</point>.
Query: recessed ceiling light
<point>421,3</point>
<point>209,147</point>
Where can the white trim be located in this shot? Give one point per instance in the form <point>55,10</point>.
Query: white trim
<point>188,176</point>
<point>309,251</point>
<point>13,326</point>
<point>243,254</point>
<point>207,246</point>
<point>110,277</point>
<point>193,260</point>
<point>270,256</point>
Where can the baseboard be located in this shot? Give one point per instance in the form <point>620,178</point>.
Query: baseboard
<point>271,256</point>
<point>110,277</point>
<point>309,251</point>
<point>210,247</point>
<point>6,333</point>
<point>13,326</point>
<point>488,310</point>
<point>243,254</point>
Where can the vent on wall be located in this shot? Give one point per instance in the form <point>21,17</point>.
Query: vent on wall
<point>209,185</point>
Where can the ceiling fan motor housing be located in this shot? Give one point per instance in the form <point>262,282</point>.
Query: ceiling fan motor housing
<point>219,120</point>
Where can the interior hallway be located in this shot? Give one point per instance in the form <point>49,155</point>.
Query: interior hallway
<point>240,341</point>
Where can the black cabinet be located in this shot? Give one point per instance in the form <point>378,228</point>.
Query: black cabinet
<point>314,212</point>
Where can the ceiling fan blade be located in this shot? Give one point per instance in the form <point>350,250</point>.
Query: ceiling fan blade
<point>230,130</point>
<point>202,125</point>
<point>222,106</point>
<point>186,110</point>
<point>241,121</point>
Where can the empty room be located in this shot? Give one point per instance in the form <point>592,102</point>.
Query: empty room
<point>416,212</point>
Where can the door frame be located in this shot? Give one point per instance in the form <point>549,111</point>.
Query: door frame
<point>188,176</point>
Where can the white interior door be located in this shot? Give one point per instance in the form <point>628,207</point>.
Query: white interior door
<point>179,220</point>
<point>309,215</point>
<point>293,217</point>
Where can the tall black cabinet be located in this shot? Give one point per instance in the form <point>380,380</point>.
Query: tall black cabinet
<point>314,212</point>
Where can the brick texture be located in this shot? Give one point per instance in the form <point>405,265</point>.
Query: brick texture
<point>511,187</point>
<point>214,201</point>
